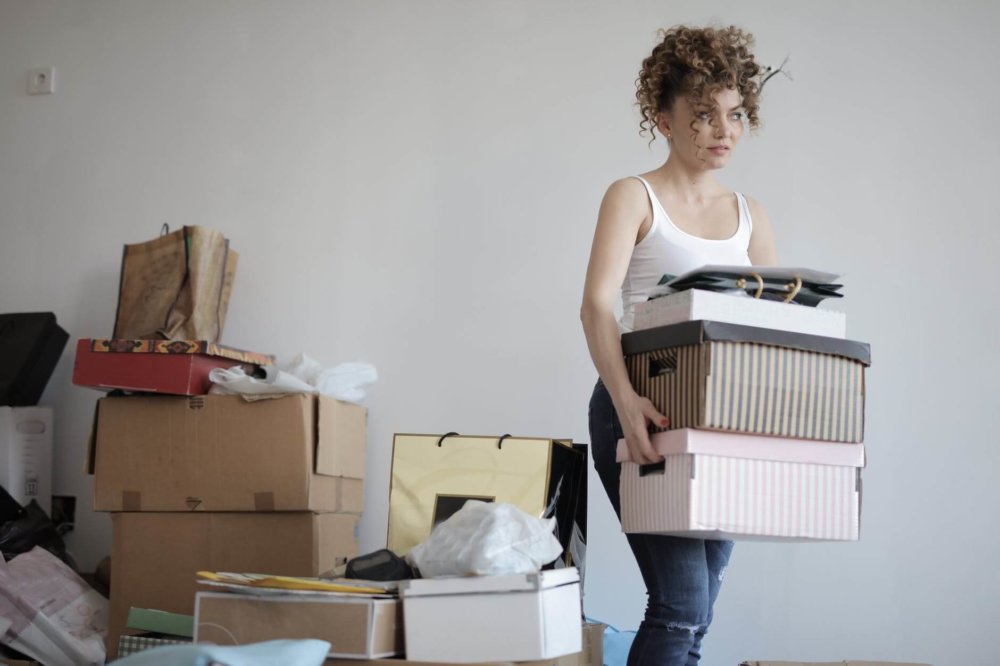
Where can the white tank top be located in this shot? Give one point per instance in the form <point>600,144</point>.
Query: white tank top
<point>667,249</point>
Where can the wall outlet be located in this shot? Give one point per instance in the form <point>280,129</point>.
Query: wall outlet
<point>42,81</point>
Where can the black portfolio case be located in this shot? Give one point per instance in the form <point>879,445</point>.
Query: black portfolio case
<point>30,346</point>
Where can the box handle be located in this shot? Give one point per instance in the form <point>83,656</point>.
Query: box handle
<point>665,363</point>
<point>659,468</point>
<point>455,434</point>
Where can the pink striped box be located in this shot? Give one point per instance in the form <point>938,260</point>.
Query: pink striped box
<point>715,485</point>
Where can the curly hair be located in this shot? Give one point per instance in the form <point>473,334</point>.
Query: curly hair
<point>695,62</point>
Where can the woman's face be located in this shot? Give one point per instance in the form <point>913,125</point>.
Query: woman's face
<point>705,134</point>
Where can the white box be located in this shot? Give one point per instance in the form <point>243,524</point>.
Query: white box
<point>26,454</point>
<point>717,485</point>
<point>695,304</point>
<point>523,617</point>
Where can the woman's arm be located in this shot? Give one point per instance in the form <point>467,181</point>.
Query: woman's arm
<point>622,213</point>
<point>761,250</point>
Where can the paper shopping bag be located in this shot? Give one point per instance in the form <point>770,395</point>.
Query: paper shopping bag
<point>434,475</point>
<point>176,286</point>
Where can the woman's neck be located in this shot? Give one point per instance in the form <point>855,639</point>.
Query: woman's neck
<point>692,185</point>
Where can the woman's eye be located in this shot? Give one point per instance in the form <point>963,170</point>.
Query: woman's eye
<point>738,116</point>
<point>703,115</point>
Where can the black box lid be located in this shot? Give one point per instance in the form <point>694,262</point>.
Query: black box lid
<point>697,332</point>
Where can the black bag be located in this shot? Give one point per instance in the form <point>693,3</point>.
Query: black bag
<point>381,565</point>
<point>769,284</point>
<point>33,529</point>
<point>30,346</point>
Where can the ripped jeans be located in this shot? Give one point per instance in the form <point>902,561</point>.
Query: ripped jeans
<point>682,575</point>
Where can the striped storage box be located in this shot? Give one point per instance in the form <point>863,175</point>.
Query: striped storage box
<point>714,485</point>
<point>705,374</point>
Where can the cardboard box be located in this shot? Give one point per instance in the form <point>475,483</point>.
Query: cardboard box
<point>722,486</point>
<point>593,643</point>
<point>719,376</point>
<point>356,626</point>
<point>695,304</point>
<point>521,617</point>
<point>155,556</point>
<point>433,476</point>
<point>26,454</point>
<point>222,453</point>
<point>829,663</point>
<point>566,660</point>
<point>176,367</point>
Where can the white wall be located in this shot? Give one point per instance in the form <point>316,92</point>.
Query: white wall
<point>415,184</point>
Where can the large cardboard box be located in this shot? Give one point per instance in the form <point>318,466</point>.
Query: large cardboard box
<point>222,453</point>
<point>174,367</point>
<point>155,556</point>
<point>714,485</point>
<point>576,659</point>
<point>695,304</point>
<point>433,476</point>
<point>706,374</point>
<point>829,663</point>
<point>356,626</point>
<point>520,617</point>
<point>26,454</point>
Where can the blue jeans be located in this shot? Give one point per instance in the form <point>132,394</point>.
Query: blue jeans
<point>682,575</point>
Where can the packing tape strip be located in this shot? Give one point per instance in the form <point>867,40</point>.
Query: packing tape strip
<point>263,501</point>
<point>131,500</point>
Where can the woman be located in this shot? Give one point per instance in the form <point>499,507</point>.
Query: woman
<point>698,89</point>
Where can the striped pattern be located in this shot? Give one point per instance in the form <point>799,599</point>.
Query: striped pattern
<point>677,393</point>
<point>722,497</point>
<point>128,645</point>
<point>755,388</point>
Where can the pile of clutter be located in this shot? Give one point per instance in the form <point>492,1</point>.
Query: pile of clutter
<point>212,460</point>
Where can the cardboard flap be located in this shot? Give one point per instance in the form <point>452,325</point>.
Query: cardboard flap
<point>755,447</point>
<point>697,332</point>
<point>340,438</point>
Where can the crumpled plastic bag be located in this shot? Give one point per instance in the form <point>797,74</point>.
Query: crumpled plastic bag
<point>302,375</point>
<point>487,539</point>
<point>49,613</point>
<point>617,645</point>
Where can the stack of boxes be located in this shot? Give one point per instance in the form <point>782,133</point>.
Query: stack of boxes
<point>766,423</point>
<point>533,617</point>
<point>218,483</point>
<point>203,482</point>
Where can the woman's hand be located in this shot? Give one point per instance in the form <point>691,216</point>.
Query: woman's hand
<point>636,414</point>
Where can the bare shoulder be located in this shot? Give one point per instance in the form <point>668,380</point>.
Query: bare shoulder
<point>757,211</point>
<point>762,250</point>
<point>625,204</point>
<point>626,190</point>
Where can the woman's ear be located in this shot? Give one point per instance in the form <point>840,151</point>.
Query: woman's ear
<point>663,124</point>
